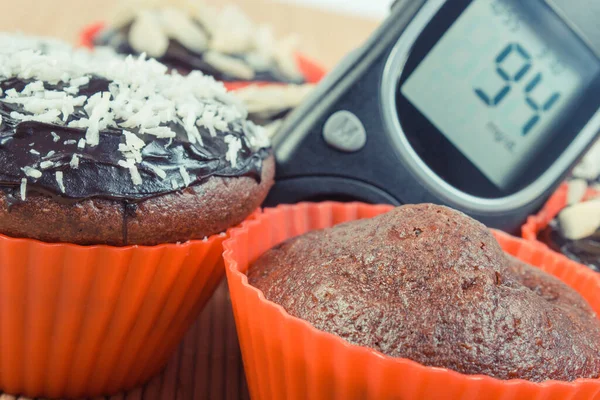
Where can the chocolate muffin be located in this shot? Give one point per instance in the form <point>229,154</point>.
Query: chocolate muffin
<point>98,149</point>
<point>430,284</point>
<point>189,36</point>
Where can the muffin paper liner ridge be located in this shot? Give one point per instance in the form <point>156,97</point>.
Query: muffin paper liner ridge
<point>94,320</point>
<point>286,358</point>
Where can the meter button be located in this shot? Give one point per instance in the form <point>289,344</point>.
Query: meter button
<point>344,131</point>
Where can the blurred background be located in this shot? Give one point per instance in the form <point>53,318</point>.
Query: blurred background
<point>328,29</point>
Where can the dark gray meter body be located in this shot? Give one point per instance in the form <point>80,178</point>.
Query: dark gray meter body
<point>482,105</point>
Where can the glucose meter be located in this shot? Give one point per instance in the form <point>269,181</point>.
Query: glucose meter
<point>482,105</point>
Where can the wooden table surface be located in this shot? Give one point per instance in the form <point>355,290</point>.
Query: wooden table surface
<point>207,364</point>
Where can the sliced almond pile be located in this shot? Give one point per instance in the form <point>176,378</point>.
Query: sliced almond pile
<point>273,98</point>
<point>216,34</point>
<point>581,217</point>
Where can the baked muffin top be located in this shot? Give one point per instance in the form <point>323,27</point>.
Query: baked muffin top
<point>430,284</point>
<point>78,125</point>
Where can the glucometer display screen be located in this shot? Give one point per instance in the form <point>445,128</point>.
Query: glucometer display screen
<point>499,79</point>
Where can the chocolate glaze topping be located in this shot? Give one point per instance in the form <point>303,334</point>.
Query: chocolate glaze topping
<point>99,175</point>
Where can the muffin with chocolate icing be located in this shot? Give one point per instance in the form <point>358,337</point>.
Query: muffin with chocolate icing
<point>113,153</point>
<point>103,150</point>
<point>190,36</point>
<point>430,284</point>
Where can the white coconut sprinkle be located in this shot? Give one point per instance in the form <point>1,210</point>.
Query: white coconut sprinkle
<point>32,172</point>
<point>81,143</point>
<point>74,161</point>
<point>184,174</point>
<point>135,175</point>
<point>158,171</point>
<point>136,178</point>
<point>50,154</point>
<point>235,145</point>
<point>76,83</point>
<point>48,117</point>
<point>59,180</point>
<point>55,137</point>
<point>69,142</point>
<point>46,164</point>
<point>132,147</point>
<point>160,132</point>
<point>23,189</point>
<point>84,80</point>
<point>79,123</point>
<point>35,152</point>
<point>37,86</point>
<point>174,184</point>
<point>92,136</point>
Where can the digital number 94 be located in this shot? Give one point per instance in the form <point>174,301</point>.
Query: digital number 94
<point>494,99</point>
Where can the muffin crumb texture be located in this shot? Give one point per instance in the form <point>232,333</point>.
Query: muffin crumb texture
<point>430,284</point>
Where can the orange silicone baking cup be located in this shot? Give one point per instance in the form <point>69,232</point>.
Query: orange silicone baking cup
<point>286,358</point>
<point>93,320</point>
<point>538,222</point>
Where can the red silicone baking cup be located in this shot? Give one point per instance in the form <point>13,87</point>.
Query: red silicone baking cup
<point>538,222</point>
<point>312,71</point>
<point>286,358</point>
<point>94,320</point>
